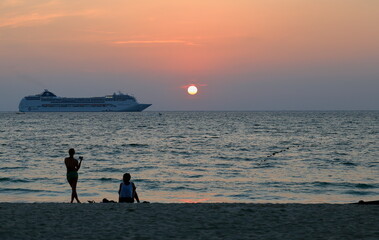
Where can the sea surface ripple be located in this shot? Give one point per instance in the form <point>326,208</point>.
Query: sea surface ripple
<point>253,157</point>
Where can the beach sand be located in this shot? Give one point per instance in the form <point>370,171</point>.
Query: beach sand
<point>188,221</point>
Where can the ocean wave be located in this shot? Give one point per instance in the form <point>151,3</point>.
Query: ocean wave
<point>176,152</point>
<point>235,158</point>
<point>239,195</point>
<point>365,185</point>
<point>25,190</point>
<point>15,180</point>
<point>11,168</point>
<point>137,145</point>
<point>188,188</point>
<point>324,185</point>
<point>210,136</point>
<point>176,136</point>
<point>195,176</point>
<point>264,164</point>
<point>104,179</point>
<point>108,169</point>
<point>347,163</point>
<point>360,193</point>
<point>345,185</point>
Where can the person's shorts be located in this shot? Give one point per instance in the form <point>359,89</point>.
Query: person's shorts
<point>72,175</point>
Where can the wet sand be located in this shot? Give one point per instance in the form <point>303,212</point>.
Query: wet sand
<point>188,221</point>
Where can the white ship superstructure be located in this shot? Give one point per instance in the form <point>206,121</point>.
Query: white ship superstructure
<point>49,102</point>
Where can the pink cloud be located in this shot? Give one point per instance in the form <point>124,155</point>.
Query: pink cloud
<point>156,42</point>
<point>30,19</point>
<point>37,18</point>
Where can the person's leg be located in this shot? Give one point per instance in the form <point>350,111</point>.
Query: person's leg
<point>72,190</point>
<point>75,193</point>
<point>73,182</point>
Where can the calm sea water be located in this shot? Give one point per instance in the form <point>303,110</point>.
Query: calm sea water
<point>254,157</point>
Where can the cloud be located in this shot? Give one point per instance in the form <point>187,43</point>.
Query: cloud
<point>38,18</point>
<point>98,31</point>
<point>189,43</point>
<point>194,84</point>
<point>11,3</point>
<point>30,19</point>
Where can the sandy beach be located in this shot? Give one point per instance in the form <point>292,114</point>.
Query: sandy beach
<point>188,221</point>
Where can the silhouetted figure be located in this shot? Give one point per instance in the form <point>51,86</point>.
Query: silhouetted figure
<point>73,166</point>
<point>127,192</point>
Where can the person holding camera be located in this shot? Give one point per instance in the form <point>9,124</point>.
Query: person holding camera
<point>73,165</point>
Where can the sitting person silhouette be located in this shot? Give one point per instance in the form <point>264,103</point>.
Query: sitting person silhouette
<point>127,192</point>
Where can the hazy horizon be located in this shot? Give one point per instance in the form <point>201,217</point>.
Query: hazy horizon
<point>243,55</point>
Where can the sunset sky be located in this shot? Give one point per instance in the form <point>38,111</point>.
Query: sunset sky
<point>241,54</point>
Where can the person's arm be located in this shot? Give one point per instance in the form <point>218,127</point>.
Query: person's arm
<point>79,164</point>
<point>136,196</point>
<point>135,193</point>
<point>119,190</point>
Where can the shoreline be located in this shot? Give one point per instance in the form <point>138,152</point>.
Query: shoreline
<point>188,221</point>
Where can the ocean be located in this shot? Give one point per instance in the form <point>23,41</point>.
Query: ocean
<point>175,157</point>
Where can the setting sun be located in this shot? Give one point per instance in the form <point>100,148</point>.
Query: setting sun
<point>192,90</point>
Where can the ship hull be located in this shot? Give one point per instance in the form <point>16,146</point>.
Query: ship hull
<point>48,102</point>
<point>135,108</point>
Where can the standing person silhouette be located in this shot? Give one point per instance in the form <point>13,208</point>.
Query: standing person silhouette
<point>73,166</point>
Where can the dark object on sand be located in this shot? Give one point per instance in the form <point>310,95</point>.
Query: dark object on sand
<point>361,202</point>
<point>108,201</point>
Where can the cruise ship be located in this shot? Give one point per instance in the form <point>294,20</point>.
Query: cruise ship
<point>49,102</point>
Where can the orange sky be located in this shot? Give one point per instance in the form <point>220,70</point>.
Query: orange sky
<point>168,44</point>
